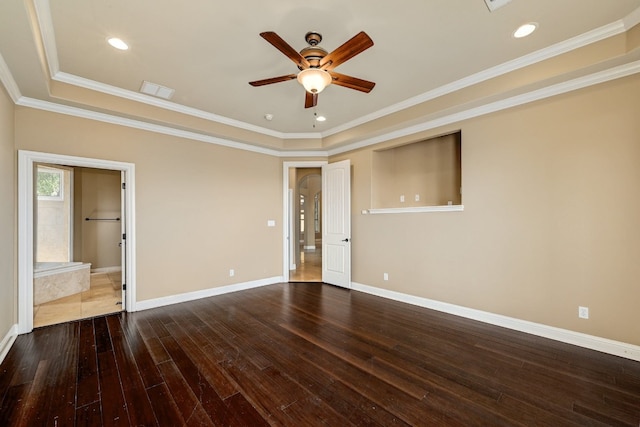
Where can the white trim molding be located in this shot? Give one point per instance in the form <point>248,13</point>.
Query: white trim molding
<point>26,163</point>
<point>616,348</point>
<point>7,341</point>
<point>415,209</point>
<point>205,293</point>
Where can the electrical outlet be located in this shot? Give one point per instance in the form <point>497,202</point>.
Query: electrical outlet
<point>385,276</point>
<point>583,312</point>
<point>417,198</point>
<point>232,273</point>
<point>402,198</point>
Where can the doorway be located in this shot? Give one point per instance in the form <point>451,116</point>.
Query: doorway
<point>302,221</point>
<point>307,225</point>
<point>78,264</point>
<point>28,163</point>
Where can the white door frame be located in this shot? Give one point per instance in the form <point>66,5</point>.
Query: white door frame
<point>285,209</point>
<point>26,161</point>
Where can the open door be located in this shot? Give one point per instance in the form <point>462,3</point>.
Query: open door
<point>336,219</point>
<point>123,237</point>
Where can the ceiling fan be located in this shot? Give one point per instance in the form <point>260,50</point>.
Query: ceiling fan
<point>316,64</point>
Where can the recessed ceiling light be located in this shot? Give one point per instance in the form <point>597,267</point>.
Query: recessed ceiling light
<point>321,118</point>
<point>525,30</point>
<point>117,43</point>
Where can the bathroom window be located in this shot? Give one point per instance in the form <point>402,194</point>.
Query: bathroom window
<point>50,183</point>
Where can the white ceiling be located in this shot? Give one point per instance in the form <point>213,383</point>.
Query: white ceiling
<point>208,51</point>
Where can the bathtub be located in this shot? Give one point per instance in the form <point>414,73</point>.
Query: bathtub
<point>53,280</point>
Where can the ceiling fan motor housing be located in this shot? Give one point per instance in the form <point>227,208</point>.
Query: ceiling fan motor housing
<point>313,53</point>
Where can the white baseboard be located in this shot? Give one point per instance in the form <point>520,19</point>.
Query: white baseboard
<point>205,293</point>
<point>616,348</point>
<point>107,269</point>
<point>7,341</point>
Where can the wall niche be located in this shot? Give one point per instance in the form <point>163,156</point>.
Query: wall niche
<point>420,174</point>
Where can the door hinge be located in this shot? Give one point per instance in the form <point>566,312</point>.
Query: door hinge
<point>124,185</point>
<point>124,236</point>
<point>124,286</point>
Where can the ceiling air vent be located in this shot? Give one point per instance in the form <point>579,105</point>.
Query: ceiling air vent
<point>495,4</point>
<point>156,90</point>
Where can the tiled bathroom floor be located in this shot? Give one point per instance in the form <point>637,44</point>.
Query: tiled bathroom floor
<point>101,298</point>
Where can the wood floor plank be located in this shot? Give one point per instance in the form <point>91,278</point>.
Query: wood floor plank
<point>89,415</point>
<point>307,354</point>
<point>131,380</point>
<point>88,387</point>
<point>185,399</point>
<point>207,397</point>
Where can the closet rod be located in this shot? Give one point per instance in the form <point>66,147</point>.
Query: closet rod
<point>102,219</point>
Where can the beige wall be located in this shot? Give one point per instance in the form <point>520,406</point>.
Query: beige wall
<point>201,209</point>
<point>8,286</point>
<point>98,196</point>
<point>551,217</point>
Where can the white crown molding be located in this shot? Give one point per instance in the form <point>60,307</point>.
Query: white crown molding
<point>46,28</point>
<point>8,81</point>
<point>525,98</point>
<point>167,105</point>
<point>616,348</point>
<point>557,89</point>
<point>137,124</point>
<point>507,67</point>
<point>45,25</point>
<point>195,295</point>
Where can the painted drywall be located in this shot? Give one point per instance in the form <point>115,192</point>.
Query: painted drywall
<point>550,222</point>
<point>200,209</point>
<point>98,198</point>
<point>8,289</point>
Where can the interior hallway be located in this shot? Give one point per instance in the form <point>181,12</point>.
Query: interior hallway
<point>310,268</point>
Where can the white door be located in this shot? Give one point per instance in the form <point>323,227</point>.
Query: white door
<point>123,237</point>
<point>336,223</point>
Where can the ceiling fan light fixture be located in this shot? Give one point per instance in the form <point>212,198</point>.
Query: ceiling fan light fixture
<point>314,80</point>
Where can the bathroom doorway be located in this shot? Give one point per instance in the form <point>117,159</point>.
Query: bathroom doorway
<point>77,228</point>
<point>28,162</point>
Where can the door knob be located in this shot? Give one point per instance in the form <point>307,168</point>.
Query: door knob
<point>345,240</point>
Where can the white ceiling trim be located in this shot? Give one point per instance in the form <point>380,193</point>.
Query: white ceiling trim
<point>557,89</point>
<point>167,105</point>
<point>525,98</point>
<point>8,81</point>
<point>45,23</point>
<point>45,26</point>
<point>137,124</point>
<point>507,67</point>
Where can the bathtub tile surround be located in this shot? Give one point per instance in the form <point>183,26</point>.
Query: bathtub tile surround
<point>55,280</point>
<point>101,298</point>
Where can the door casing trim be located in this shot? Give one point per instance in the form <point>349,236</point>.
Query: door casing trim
<point>26,161</point>
<point>285,208</point>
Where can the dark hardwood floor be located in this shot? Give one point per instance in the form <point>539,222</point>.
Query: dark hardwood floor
<point>305,355</point>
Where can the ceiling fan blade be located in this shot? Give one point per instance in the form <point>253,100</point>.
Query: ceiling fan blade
<point>351,82</point>
<point>285,48</point>
<point>357,44</point>
<point>273,80</point>
<point>310,100</point>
